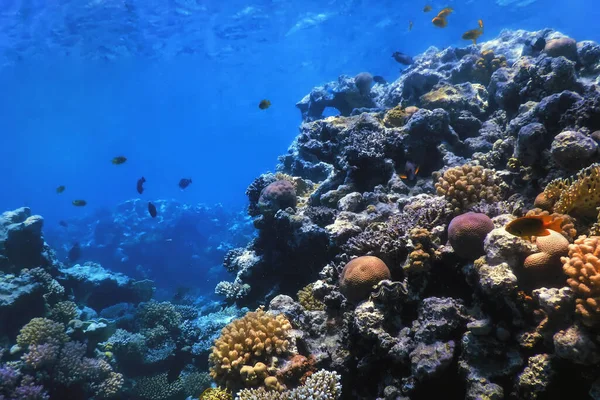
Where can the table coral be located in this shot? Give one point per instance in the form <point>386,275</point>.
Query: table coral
<point>578,194</point>
<point>360,275</point>
<point>257,337</point>
<point>582,266</point>
<point>467,185</point>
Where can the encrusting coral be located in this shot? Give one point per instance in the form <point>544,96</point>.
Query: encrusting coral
<point>248,348</point>
<point>582,266</point>
<point>467,185</point>
<point>579,194</point>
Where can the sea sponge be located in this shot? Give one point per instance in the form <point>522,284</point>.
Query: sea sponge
<point>467,185</point>
<point>363,82</point>
<point>307,299</point>
<point>278,195</point>
<point>360,275</point>
<point>582,266</point>
<point>467,232</point>
<point>578,194</point>
<point>567,224</point>
<point>255,338</point>
<point>40,331</point>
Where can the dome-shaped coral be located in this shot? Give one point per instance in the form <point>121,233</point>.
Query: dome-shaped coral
<point>278,195</point>
<point>544,266</point>
<point>565,47</point>
<point>467,232</point>
<point>360,275</point>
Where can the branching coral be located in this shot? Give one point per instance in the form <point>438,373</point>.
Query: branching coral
<point>255,338</point>
<point>158,387</point>
<point>307,299</point>
<point>63,311</point>
<point>423,252</point>
<point>152,314</point>
<point>487,64</point>
<point>40,331</point>
<point>322,385</point>
<point>579,194</point>
<point>467,185</point>
<point>582,266</point>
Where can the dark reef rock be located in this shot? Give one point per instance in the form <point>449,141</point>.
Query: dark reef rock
<point>21,241</point>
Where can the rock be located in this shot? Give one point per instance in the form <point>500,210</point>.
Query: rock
<point>286,305</point>
<point>21,299</point>
<point>562,47</point>
<point>454,99</point>
<point>573,150</point>
<point>487,357</point>
<point>352,202</point>
<point>575,345</point>
<point>439,319</point>
<point>481,327</point>
<point>429,361</point>
<point>555,302</point>
<point>588,53</point>
<point>533,382</point>
<point>99,288</point>
<point>531,139</point>
<point>502,247</point>
<point>369,322</point>
<point>21,241</point>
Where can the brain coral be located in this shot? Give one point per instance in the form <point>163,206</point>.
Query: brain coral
<point>245,345</point>
<point>278,195</point>
<point>582,266</point>
<point>467,232</point>
<point>547,261</point>
<point>578,194</point>
<point>467,185</point>
<point>360,275</point>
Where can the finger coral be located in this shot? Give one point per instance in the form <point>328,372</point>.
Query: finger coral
<point>158,387</point>
<point>582,266</point>
<point>322,385</point>
<point>40,331</point>
<point>360,275</point>
<point>245,345</point>
<point>307,299</point>
<point>578,194</point>
<point>467,185</point>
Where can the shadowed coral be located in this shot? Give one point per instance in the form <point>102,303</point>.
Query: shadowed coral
<point>307,299</point>
<point>360,275</point>
<point>278,195</point>
<point>467,233</point>
<point>322,385</point>
<point>42,330</point>
<point>582,266</point>
<point>467,185</point>
<point>579,194</point>
<point>255,338</point>
<point>153,314</point>
<point>63,311</point>
<point>157,387</point>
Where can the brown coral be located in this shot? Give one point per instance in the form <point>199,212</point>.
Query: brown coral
<point>297,369</point>
<point>467,185</point>
<point>543,202</point>
<point>360,275</point>
<point>548,260</point>
<point>424,252</point>
<point>582,266</point>
<point>486,64</point>
<point>245,345</point>
<point>397,116</point>
<point>579,194</point>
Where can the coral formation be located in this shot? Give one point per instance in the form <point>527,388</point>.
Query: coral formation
<point>322,385</point>
<point>579,194</point>
<point>307,299</point>
<point>360,275</point>
<point>467,232</point>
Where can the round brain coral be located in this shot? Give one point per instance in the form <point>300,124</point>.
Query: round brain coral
<point>467,232</point>
<point>278,195</point>
<point>544,266</point>
<point>582,266</point>
<point>360,275</point>
<point>245,345</point>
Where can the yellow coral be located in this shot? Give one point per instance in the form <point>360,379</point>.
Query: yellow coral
<point>395,117</point>
<point>582,266</point>
<point>579,194</point>
<point>467,185</point>
<point>307,299</point>
<point>40,331</point>
<point>255,338</point>
<point>215,394</point>
<point>487,64</point>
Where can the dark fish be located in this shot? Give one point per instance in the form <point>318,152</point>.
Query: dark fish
<point>379,79</point>
<point>473,34</point>
<point>140,185</point>
<point>538,44</point>
<point>534,225</point>
<point>427,8</point>
<point>402,58</point>
<point>480,22</point>
<point>410,25</point>
<point>180,293</point>
<point>60,189</point>
<point>75,252</point>
<point>152,210</point>
<point>185,182</point>
<point>410,171</point>
<point>79,203</point>
<point>181,358</point>
<point>119,160</point>
<point>63,223</point>
<point>264,104</point>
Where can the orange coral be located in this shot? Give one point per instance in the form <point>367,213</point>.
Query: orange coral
<point>297,370</point>
<point>578,194</point>
<point>552,248</point>
<point>567,224</point>
<point>360,275</point>
<point>582,266</point>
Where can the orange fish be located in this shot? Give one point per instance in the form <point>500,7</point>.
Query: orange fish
<point>440,22</point>
<point>445,12</point>
<point>534,225</point>
<point>480,22</point>
<point>473,34</point>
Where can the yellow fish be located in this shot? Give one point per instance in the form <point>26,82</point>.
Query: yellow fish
<point>534,225</point>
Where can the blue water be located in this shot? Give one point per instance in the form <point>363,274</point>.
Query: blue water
<point>174,85</point>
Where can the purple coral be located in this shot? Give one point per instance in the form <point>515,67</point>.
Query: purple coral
<point>279,195</point>
<point>467,232</point>
<point>28,390</point>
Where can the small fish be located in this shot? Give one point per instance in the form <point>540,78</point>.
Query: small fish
<point>480,22</point>
<point>63,223</point>
<point>440,22</point>
<point>379,79</point>
<point>264,104</point>
<point>427,8</point>
<point>402,58</point>
<point>184,182</point>
<point>79,203</point>
<point>152,210</point>
<point>60,189</point>
<point>140,185</point>
<point>119,160</point>
<point>535,225</point>
<point>410,25</point>
<point>75,252</point>
<point>473,34</point>
<point>410,171</point>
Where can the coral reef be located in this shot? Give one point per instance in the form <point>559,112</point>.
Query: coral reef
<point>360,275</point>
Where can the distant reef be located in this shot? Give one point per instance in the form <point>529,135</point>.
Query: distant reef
<point>438,239</point>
